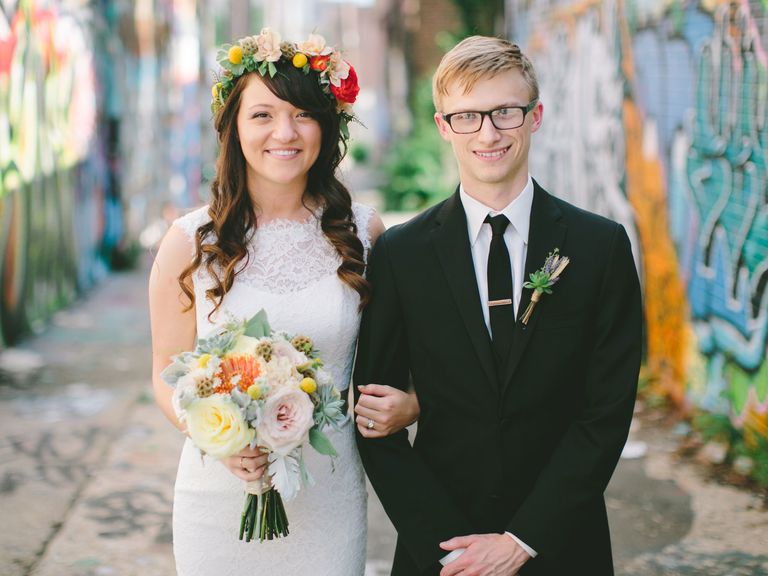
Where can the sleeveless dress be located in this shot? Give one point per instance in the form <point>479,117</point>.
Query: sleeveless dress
<point>291,273</point>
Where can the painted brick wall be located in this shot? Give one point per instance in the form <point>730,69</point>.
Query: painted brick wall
<point>99,125</point>
<point>655,115</point>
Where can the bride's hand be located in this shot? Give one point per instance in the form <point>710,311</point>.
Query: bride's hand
<point>249,464</point>
<point>383,410</point>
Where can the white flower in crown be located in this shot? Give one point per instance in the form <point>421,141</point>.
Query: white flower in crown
<point>344,108</point>
<point>268,46</point>
<point>314,46</point>
<point>338,69</point>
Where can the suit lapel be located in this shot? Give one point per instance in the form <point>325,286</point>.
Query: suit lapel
<point>451,241</point>
<point>546,233</point>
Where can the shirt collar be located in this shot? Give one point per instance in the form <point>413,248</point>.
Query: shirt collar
<point>518,212</point>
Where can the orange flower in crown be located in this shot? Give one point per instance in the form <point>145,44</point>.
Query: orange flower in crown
<point>259,54</point>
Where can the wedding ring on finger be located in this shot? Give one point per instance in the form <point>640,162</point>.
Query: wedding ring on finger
<point>370,424</point>
<point>242,465</point>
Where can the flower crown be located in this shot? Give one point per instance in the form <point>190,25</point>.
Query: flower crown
<point>259,53</point>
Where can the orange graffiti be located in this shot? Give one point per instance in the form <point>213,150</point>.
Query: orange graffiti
<point>666,310</point>
<point>755,421</point>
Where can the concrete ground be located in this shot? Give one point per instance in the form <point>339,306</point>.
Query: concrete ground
<point>87,464</point>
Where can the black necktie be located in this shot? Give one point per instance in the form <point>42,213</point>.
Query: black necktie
<point>500,293</point>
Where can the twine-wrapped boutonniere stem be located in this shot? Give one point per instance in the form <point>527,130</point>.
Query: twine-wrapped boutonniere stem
<point>543,279</point>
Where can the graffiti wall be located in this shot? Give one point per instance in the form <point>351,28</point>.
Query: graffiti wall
<point>87,117</point>
<point>655,115</point>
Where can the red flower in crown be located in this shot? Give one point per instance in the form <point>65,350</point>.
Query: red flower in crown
<point>349,88</point>
<point>319,63</point>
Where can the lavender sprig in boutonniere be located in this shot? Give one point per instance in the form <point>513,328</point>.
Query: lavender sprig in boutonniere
<point>543,279</point>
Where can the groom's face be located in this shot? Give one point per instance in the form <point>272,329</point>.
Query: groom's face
<point>490,158</point>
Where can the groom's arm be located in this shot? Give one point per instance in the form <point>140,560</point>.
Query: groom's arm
<point>583,462</point>
<point>415,500</point>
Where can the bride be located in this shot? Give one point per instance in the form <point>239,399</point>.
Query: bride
<point>281,234</point>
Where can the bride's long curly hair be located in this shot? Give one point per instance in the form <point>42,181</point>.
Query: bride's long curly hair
<point>231,211</point>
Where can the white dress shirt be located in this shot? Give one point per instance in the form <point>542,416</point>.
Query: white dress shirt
<point>518,212</point>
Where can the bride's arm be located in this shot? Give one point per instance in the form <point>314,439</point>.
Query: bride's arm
<point>173,329</point>
<point>388,408</point>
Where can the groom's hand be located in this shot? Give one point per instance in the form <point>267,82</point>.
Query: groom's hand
<point>485,555</point>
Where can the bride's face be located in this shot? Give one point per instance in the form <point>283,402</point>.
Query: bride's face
<point>279,141</point>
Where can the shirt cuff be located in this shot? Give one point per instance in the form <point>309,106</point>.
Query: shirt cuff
<point>451,556</point>
<point>523,545</point>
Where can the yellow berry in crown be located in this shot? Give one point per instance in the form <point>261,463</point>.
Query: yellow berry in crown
<point>254,391</point>
<point>308,385</point>
<point>300,60</point>
<point>215,91</point>
<point>235,55</point>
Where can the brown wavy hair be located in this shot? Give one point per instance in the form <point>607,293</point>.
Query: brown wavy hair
<point>231,211</point>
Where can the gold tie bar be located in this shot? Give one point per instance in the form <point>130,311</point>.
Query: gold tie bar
<point>492,303</point>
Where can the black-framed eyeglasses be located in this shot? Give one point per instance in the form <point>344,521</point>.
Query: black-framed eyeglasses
<point>505,118</point>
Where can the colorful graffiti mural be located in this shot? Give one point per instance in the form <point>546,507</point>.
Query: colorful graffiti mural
<point>656,115</point>
<point>47,128</point>
<point>86,154</point>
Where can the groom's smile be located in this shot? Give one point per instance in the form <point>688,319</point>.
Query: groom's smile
<point>492,155</point>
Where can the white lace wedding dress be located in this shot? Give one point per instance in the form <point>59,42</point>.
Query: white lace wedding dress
<point>292,275</point>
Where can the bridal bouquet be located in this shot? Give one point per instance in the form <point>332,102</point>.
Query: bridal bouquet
<point>251,386</point>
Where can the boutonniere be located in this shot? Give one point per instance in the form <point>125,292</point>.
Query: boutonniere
<point>543,279</point>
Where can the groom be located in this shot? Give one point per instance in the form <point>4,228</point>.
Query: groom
<point>522,419</point>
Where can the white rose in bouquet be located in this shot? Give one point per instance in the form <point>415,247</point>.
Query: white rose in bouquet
<point>216,426</point>
<point>284,349</point>
<point>285,420</point>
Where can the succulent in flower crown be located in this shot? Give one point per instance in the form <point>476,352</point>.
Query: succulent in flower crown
<point>335,75</point>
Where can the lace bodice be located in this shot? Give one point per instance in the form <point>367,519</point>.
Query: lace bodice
<point>286,255</point>
<point>291,273</point>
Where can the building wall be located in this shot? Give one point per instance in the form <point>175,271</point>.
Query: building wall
<point>655,115</point>
<point>90,104</point>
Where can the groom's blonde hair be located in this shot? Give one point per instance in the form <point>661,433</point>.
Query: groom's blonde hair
<point>478,58</point>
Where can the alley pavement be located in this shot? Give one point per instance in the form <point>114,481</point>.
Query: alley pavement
<point>87,464</point>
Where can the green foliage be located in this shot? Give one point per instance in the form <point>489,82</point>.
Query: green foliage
<point>258,325</point>
<point>718,427</point>
<point>483,17</point>
<point>415,168</point>
<point>760,458</point>
<point>320,442</point>
<point>715,427</point>
<point>125,256</point>
<point>359,152</point>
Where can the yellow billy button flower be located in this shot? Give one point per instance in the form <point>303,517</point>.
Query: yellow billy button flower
<point>235,55</point>
<point>308,385</point>
<point>254,391</point>
<point>202,362</point>
<point>300,60</point>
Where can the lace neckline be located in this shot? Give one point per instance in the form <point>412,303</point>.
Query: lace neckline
<point>288,223</point>
<point>313,219</point>
<point>284,255</point>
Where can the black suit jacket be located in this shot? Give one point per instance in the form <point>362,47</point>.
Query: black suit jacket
<point>529,448</point>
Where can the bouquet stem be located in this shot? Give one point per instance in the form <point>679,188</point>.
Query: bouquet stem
<point>263,515</point>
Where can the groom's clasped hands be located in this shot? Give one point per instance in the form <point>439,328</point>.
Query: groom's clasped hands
<point>484,555</point>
